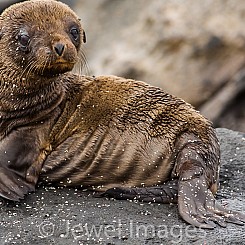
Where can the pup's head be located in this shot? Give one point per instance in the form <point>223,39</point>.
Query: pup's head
<point>41,36</point>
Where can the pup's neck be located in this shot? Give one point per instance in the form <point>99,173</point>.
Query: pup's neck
<point>22,95</point>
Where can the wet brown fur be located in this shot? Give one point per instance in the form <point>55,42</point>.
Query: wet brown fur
<point>96,132</point>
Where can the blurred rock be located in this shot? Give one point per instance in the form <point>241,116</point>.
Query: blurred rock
<point>193,49</point>
<point>6,3</point>
<point>227,107</point>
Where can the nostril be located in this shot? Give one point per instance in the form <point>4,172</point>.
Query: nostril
<point>59,48</point>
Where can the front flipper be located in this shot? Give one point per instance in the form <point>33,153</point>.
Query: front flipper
<point>196,202</point>
<point>21,159</point>
<point>13,186</point>
<point>166,193</point>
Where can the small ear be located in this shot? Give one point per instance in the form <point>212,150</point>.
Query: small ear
<point>84,37</point>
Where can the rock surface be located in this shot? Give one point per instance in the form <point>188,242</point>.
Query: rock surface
<point>192,49</point>
<point>71,216</point>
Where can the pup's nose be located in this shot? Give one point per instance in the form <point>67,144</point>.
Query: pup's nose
<point>59,48</point>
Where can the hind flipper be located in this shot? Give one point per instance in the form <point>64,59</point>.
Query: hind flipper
<point>165,193</point>
<point>196,202</point>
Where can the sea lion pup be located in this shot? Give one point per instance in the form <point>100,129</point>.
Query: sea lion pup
<point>121,137</point>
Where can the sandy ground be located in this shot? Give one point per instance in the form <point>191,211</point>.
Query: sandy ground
<point>71,216</point>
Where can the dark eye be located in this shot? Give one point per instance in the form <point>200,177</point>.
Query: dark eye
<point>75,33</point>
<point>23,39</point>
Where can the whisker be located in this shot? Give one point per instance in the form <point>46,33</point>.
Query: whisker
<point>82,63</point>
<point>45,64</point>
<point>31,68</point>
<point>85,63</point>
<point>26,68</point>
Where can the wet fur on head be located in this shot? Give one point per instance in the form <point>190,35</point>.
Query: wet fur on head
<point>33,35</point>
